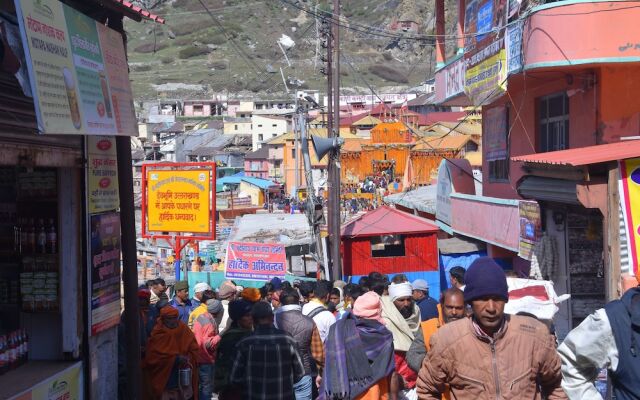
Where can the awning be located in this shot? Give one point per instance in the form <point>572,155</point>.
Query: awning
<point>548,189</point>
<point>585,155</point>
<point>140,11</point>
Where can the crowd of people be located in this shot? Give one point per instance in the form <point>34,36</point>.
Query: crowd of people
<point>377,339</point>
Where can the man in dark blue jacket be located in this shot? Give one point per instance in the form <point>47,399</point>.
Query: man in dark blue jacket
<point>428,306</point>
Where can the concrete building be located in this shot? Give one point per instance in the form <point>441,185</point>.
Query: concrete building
<point>268,127</point>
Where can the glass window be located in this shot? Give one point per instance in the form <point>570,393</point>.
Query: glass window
<point>553,122</point>
<point>387,246</point>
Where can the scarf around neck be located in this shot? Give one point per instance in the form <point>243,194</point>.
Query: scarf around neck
<point>403,330</point>
<point>359,352</point>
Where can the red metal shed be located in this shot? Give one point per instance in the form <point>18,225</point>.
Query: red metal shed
<point>389,241</point>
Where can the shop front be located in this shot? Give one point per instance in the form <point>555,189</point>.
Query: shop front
<point>63,81</point>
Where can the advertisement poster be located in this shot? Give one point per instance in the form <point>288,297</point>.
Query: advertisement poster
<point>486,74</point>
<point>485,55</point>
<point>255,261</point>
<point>530,228</point>
<point>179,201</point>
<point>513,46</point>
<point>630,199</point>
<point>102,174</point>
<point>494,127</point>
<point>65,385</point>
<point>68,72</point>
<point>105,271</point>
<point>443,196</point>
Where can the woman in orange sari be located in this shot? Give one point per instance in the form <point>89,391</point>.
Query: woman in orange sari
<point>172,346</point>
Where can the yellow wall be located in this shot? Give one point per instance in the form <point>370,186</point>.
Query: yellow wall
<point>257,195</point>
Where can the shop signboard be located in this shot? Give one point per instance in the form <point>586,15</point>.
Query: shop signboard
<point>630,199</point>
<point>495,133</point>
<point>178,200</point>
<point>255,261</point>
<point>485,55</point>
<point>102,174</point>
<point>443,194</point>
<point>514,48</point>
<point>454,76</point>
<point>105,271</point>
<point>530,228</point>
<point>65,385</point>
<point>77,69</point>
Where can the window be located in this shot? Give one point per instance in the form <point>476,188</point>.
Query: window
<point>495,124</point>
<point>235,127</point>
<point>553,122</point>
<point>274,125</point>
<point>387,246</point>
<point>274,134</point>
<point>259,125</point>
<point>293,153</point>
<point>260,137</point>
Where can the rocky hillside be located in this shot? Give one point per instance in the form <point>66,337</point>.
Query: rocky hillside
<point>213,46</point>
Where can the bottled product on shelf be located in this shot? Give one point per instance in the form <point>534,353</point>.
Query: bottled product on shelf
<point>14,350</point>
<point>52,238</point>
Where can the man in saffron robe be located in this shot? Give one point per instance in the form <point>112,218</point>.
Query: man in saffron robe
<point>172,346</point>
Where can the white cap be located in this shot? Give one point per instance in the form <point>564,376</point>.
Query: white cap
<point>397,290</point>
<point>201,287</point>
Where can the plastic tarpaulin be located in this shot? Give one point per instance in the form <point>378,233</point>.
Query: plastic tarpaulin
<point>448,261</point>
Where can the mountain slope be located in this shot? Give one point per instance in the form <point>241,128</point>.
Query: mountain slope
<point>214,46</point>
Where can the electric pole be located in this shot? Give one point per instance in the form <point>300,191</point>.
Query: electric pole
<point>333,168</point>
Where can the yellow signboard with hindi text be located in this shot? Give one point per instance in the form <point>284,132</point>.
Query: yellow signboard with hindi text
<point>178,200</point>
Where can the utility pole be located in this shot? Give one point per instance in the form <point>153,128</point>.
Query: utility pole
<point>333,168</point>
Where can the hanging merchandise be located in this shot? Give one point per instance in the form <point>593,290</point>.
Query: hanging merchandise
<point>544,261</point>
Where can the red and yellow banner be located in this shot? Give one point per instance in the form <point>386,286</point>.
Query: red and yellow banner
<point>255,261</point>
<point>630,199</point>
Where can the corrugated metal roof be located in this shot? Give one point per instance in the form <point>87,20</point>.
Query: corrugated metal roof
<point>260,154</point>
<point>288,229</point>
<point>387,221</point>
<point>449,142</point>
<point>585,155</point>
<point>421,199</point>
<point>366,121</point>
<point>139,10</point>
<point>261,183</point>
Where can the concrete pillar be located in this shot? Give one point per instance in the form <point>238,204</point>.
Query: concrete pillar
<point>460,27</point>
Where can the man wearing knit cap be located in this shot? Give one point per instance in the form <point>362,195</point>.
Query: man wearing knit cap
<point>491,355</point>
<point>428,306</point>
<point>198,289</point>
<point>205,329</point>
<point>181,301</point>
<point>402,317</point>
<point>227,292</point>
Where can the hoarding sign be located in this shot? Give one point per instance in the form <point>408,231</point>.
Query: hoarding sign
<point>105,271</point>
<point>513,46</point>
<point>630,199</point>
<point>484,53</point>
<point>443,195</point>
<point>102,174</point>
<point>530,228</point>
<point>495,132</point>
<point>178,200</point>
<point>454,74</point>
<point>77,69</point>
<point>486,74</point>
<point>255,261</point>
<point>65,385</point>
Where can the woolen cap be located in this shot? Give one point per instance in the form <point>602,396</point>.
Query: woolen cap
<point>226,290</point>
<point>485,278</point>
<point>261,310</point>
<point>201,287</point>
<point>239,308</point>
<point>420,284</point>
<point>181,285</point>
<point>214,306</point>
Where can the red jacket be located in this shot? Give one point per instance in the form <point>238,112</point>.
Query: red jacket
<point>205,330</point>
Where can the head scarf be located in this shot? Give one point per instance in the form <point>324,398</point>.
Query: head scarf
<point>368,306</point>
<point>144,293</point>
<point>251,294</point>
<point>398,290</point>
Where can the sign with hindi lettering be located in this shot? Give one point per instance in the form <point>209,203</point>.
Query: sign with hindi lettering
<point>77,69</point>
<point>105,271</point>
<point>178,201</point>
<point>255,261</point>
<point>102,174</point>
<point>530,227</point>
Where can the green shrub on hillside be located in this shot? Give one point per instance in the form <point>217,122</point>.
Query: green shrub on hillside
<point>192,51</point>
<point>150,47</point>
<point>388,73</point>
<point>166,60</point>
<point>142,68</point>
